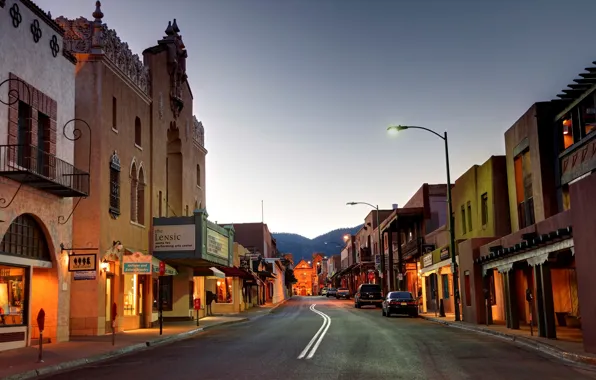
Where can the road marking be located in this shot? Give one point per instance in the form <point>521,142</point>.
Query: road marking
<point>318,338</point>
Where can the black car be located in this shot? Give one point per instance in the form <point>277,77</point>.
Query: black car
<point>368,294</point>
<point>343,293</point>
<point>400,303</point>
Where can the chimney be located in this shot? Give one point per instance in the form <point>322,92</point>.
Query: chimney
<point>394,206</point>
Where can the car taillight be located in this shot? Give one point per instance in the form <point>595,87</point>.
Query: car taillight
<point>393,302</point>
<point>411,302</point>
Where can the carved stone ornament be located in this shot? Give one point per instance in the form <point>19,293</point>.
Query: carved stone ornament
<point>177,55</point>
<point>198,132</point>
<point>88,37</point>
<point>160,106</point>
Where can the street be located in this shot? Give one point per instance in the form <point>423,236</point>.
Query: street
<point>356,344</point>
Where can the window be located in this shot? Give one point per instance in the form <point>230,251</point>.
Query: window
<point>186,210</point>
<point>523,188</point>
<point>131,300</point>
<point>25,238</point>
<point>23,137</point>
<point>133,192</point>
<point>160,204</point>
<point>224,290</point>
<point>199,175</point>
<point>138,137</point>
<point>467,288</point>
<point>115,185</point>
<point>463,220</point>
<point>114,114</point>
<point>141,197</point>
<point>166,284</point>
<point>484,206</point>
<point>445,283</point>
<point>469,217</point>
<point>588,114</point>
<point>13,295</point>
<point>43,144</point>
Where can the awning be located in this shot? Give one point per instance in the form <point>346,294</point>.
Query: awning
<point>235,272</point>
<point>169,270</point>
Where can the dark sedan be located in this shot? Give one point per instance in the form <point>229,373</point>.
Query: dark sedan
<point>400,303</point>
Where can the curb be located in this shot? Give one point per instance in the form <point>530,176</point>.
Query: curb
<point>77,363</point>
<point>522,341</point>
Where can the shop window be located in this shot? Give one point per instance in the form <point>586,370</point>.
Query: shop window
<point>224,290</point>
<point>191,295</point>
<point>470,217</point>
<point>24,237</point>
<point>131,287</point>
<point>13,292</point>
<point>468,289</point>
<point>445,283</point>
<point>115,185</point>
<point>463,220</point>
<point>484,206</point>
<point>114,113</point>
<point>166,283</point>
<point>138,132</point>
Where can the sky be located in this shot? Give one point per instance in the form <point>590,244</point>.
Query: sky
<point>296,95</point>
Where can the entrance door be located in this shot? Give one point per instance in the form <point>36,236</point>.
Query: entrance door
<point>141,301</point>
<point>109,302</point>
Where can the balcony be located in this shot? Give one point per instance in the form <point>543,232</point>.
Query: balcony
<point>578,159</point>
<point>31,166</point>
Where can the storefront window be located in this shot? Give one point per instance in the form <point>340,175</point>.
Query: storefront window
<point>224,290</point>
<point>445,281</point>
<point>12,295</point>
<point>130,294</point>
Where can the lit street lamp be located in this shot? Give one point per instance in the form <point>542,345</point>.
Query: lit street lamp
<point>381,251</point>
<point>397,128</point>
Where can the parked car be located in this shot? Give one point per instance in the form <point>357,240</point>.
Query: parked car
<point>343,293</point>
<point>368,294</point>
<point>400,303</point>
<point>324,291</point>
<point>331,292</point>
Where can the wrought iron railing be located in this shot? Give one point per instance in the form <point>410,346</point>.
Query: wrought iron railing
<point>29,164</point>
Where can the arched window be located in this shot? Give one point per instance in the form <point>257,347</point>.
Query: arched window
<point>138,139</point>
<point>25,238</point>
<point>141,197</point>
<point>133,192</point>
<point>115,185</point>
<point>198,175</point>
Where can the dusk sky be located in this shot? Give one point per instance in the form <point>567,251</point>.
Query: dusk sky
<point>296,95</point>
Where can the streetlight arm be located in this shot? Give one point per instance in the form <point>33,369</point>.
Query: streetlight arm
<point>428,130</point>
<point>362,203</point>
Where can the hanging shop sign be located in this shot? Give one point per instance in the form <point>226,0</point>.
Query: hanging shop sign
<point>444,253</point>
<point>427,260</point>
<point>82,262</point>
<point>137,263</point>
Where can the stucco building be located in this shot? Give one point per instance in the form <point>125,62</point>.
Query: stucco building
<point>38,178</point>
<point>304,273</point>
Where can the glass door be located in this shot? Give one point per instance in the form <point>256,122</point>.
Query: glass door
<point>109,301</point>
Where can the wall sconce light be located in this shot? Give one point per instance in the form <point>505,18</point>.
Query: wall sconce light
<point>104,266</point>
<point>218,283</point>
<point>117,245</point>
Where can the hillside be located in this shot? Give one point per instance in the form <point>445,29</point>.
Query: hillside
<point>303,248</point>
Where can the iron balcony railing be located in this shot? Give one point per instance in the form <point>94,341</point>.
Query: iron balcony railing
<point>32,166</point>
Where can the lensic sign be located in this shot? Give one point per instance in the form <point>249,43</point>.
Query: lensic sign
<point>174,238</point>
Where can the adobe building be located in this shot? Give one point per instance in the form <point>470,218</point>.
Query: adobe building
<point>481,207</point>
<point>304,273</point>
<point>38,177</point>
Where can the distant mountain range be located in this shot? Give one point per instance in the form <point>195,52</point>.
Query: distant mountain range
<point>302,247</point>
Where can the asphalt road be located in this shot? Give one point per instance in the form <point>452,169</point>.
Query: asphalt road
<point>358,344</point>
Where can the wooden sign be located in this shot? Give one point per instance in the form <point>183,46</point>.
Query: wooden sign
<point>84,262</point>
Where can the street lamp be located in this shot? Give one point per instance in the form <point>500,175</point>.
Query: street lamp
<point>397,128</point>
<point>382,251</point>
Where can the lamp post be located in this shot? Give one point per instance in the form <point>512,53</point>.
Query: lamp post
<point>381,251</point>
<point>397,128</point>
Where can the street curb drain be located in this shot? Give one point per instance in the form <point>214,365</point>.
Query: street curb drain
<point>522,341</point>
<point>78,363</point>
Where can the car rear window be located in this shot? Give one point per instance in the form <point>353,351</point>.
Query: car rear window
<point>401,295</point>
<point>332,289</point>
<point>370,288</point>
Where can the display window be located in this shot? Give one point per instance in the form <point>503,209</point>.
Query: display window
<point>12,295</point>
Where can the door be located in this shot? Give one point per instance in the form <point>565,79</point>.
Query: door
<point>109,301</point>
<point>141,301</point>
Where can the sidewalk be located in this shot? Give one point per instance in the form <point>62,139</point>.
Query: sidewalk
<point>79,351</point>
<point>567,347</point>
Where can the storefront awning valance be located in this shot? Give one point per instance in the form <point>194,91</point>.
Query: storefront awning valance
<point>208,272</point>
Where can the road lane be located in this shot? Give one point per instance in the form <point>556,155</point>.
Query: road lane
<point>359,344</point>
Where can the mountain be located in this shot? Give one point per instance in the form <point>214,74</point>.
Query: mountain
<point>303,248</point>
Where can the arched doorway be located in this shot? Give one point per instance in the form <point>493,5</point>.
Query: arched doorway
<point>27,282</point>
